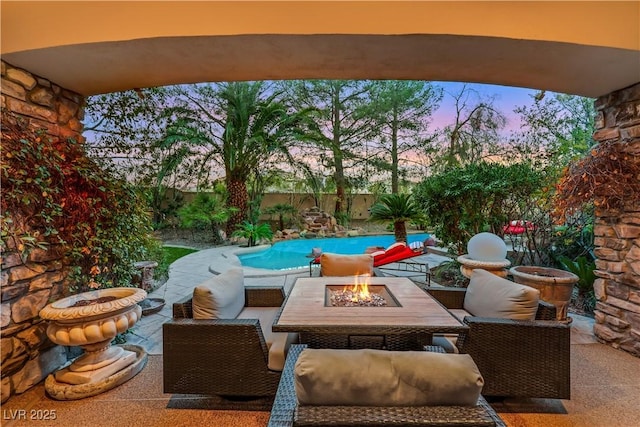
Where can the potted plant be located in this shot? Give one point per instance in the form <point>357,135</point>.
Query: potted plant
<point>555,286</point>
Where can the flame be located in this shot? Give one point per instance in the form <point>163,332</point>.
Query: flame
<point>360,289</point>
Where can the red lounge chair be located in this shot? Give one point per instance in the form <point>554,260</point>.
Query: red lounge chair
<point>396,252</point>
<point>518,227</point>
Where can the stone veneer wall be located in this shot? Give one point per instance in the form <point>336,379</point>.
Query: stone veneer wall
<point>617,233</point>
<point>28,356</point>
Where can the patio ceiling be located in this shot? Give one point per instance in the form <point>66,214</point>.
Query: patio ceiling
<point>583,48</point>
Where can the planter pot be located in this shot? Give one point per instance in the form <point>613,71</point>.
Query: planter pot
<point>91,320</point>
<point>555,286</point>
<point>467,265</point>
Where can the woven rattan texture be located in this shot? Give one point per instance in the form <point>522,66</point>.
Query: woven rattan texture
<point>225,357</point>
<point>286,413</point>
<point>516,358</point>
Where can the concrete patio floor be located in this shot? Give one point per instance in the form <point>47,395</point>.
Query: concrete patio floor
<point>605,381</point>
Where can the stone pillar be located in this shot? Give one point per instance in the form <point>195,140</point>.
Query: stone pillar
<point>27,285</point>
<point>617,232</point>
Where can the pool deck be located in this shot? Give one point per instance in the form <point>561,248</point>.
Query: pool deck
<point>191,270</point>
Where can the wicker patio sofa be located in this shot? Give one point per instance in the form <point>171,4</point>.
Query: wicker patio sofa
<point>286,412</point>
<point>517,358</point>
<point>223,357</point>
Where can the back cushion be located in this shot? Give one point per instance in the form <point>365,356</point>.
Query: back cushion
<point>345,265</point>
<point>491,296</point>
<point>221,297</point>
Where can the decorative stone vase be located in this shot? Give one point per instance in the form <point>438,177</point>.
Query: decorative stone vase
<point>499,268</point>
<point>92,320</point>
<point>555,286</point>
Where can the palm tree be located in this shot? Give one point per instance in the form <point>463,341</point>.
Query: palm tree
<point>398,209</point>
<point>244,126</point>
<point>254,233</point>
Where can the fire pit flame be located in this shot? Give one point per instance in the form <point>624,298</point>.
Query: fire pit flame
<point>359,291</point>
<point>357,294</point>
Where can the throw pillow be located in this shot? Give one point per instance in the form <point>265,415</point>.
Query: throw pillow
<point>491,296</point>
<point>221,297</point>
<point>386,378</point>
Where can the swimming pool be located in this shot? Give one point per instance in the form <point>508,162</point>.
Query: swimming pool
<point>291,254</point>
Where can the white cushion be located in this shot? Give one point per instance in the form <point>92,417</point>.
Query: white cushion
<point>386,378</point>
<point>491,296</point>
<point>221,297</point>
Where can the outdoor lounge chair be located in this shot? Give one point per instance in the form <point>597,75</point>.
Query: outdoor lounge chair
<point>517,358</point>
<point>224,357</point>
<point>286,412</point>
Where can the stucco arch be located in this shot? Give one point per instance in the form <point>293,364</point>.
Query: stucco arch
<point>583,48</point>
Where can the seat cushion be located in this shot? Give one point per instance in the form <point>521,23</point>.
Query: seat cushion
<point>221,297</point>
<point>277,342</point>
<point>386,378</point>
<point>345,265</point>
<point>491,296</point>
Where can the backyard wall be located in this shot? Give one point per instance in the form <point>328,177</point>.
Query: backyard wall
<point>28,356</point>
<point>617,233</point>
<point>360,203</point>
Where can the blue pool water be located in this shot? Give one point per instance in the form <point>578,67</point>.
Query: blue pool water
<point>293,253</point>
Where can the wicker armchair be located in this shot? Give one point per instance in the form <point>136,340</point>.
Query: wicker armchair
<point>225,357</point>
<point>516,358</point>
<point>287,413</point>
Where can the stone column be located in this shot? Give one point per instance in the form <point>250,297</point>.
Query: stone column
<point>617,232</point>
<point>27,285</point>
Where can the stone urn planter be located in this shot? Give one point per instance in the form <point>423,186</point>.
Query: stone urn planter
<point>499,268</point>
<point>92,320</point>
<point>555,286</point>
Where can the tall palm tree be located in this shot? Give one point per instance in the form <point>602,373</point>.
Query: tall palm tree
<point>398,209</point>
<point>244,130</point>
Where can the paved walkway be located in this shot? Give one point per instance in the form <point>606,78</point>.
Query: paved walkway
<point>189,271</point>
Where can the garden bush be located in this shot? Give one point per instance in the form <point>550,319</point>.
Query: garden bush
<point>464,201</point>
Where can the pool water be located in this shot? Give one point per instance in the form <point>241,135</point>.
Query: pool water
<point>291,254</point>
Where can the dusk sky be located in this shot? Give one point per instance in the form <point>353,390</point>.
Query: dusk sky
<point>506,99</point>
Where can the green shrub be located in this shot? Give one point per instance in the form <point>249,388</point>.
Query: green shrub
<point>585,270</point>
<point>205,211</point>
<point>253,233</point>
<point>462,202</point>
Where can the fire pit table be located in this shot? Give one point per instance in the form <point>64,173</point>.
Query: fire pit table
<point>406,321</point>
